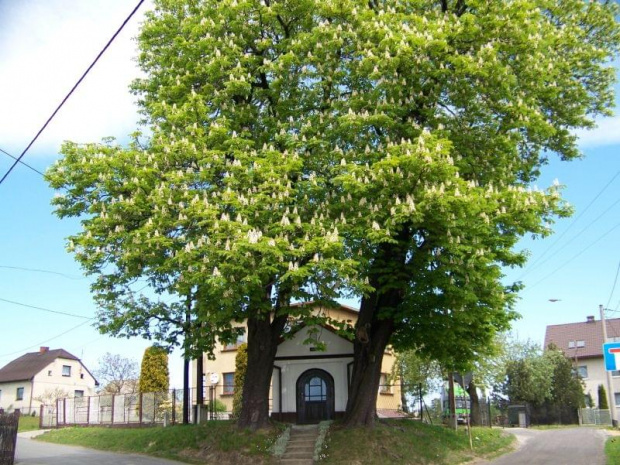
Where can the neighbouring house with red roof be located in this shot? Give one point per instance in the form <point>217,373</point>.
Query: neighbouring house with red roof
<point>42,374</point>
<point>582,342</point>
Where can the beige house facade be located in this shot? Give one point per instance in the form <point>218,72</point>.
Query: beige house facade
<point>582,342</point>
<point>309,384</point>
<point>37,376</point>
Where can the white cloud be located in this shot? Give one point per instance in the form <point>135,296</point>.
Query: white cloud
<point>606,133</point>
<point>45,46</point>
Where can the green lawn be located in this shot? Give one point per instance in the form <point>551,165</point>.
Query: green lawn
<point>28,423</point>
<point>215,442</point>
<point>412,442</point>
<point>390,442</point>
<point>612,450</point>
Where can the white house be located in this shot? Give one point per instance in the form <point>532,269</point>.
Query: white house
<point>307,385</point>
<point>582,343</point>
<point>38,374</point>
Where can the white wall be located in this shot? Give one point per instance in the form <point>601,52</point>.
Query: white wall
<point>291,370</point>
<point>51,378</point>
<point>597,375</point>
<point>8,401</point>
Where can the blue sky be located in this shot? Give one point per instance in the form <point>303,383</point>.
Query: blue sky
<point>45,45</point>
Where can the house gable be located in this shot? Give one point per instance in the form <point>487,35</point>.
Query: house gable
<point>296,348</point>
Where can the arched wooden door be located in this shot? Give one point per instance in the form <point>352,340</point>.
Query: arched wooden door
<point>315,396</point>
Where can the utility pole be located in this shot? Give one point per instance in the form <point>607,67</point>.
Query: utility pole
<point>610,386</point>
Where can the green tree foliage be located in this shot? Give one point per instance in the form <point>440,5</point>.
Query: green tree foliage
<point>154,370</point>
<point>241,366</point>
<point>413,371</point>
<point>306,149</point>
<point>548,382</point>
<point>603,403</point>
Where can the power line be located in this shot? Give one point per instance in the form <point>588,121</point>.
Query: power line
<point>22,162</point>
<point>613,288</point>
<point>533,264</point>
<point>38,270</point>
<point>18,160</point>
<point>47,309</point>
<point>574,256</point>
<point>43,342</point>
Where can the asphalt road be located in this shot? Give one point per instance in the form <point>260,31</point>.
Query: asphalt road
<point>575,446</point>
<point>32,452</point>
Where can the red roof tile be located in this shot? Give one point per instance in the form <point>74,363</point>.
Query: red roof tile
<point>590,332</point>
<point>28,365</point>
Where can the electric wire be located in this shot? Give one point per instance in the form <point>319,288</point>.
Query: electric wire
<point>38,270</point>
<point>22,162</point>
<point>43,309</point>
<point>535,263</point>
<point>18,160</point>
<point>575,256</point>
<point>613,287</point>
<point>38,344</point>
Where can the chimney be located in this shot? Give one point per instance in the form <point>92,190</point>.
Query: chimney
<point>42,350</point>
<point>590,319</point>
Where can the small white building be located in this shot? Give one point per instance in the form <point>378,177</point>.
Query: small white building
<point>37,375</point>
<point>308,384</point>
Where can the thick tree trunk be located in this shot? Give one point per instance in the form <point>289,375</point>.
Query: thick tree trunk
<point>372,337</point>
<point>476,417</point>
<point>263,336</point>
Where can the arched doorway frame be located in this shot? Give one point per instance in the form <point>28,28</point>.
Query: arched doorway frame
<point>315,400</point>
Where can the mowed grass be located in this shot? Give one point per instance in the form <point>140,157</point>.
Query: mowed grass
<point>412,442</point>
<point>390,442</point>
<point>214,442</point>
<point>27,423</point>
<point>612,450</point>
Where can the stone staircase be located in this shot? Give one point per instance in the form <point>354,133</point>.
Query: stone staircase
<point>300,448</point>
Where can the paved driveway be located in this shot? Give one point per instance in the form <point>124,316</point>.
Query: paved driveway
<point>32,452</point>
<point>575,446</point>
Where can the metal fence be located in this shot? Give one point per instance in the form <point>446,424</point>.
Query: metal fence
<point>8,437</point>
<point>140,409</point>
<point>136,409</point>
<point>594,416</point>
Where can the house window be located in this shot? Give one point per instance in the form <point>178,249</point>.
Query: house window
<point>384,386</point>
<point>78,394</point>
<point>49,372</point>
<point>571,344</point>
<point>315,390</point>
<point>233,346</point>
<point>581,343</point>
<point>229,383</point>
<point>615,373</point>
<point>582,371</point>
<point>81,375</point>
<point>66,370</point>
<point>617,399</point>
<point>20,394</point>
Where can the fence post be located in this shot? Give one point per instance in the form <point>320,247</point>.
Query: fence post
<point>41,416</point>
<point>174,406</point>
<point>87,410</point>
<point>64,411</point>
<point>140,407</point>
<point>112,411</point>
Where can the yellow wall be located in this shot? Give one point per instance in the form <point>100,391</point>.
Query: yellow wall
<point>225,363</point>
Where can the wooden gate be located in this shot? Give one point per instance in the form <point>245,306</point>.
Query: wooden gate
<point>8,437</point>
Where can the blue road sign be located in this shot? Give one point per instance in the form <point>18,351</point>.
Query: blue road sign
<point>611,355</point>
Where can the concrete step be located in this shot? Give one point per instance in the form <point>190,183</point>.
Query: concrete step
<point>297,461</point>
<point>304,455</point>
<point>309,449</point>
